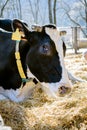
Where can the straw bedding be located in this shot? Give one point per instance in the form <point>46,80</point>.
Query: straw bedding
<point>41,113</point>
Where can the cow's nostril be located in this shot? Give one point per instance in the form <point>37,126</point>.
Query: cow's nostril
<point>64,90</point>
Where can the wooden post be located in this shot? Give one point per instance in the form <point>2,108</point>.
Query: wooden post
<point>75,45</point>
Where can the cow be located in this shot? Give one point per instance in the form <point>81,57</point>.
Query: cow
<point>42,57</point>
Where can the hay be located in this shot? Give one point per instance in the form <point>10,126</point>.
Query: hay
<point>41,113</point>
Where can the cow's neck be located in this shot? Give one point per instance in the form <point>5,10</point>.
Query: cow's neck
<point>24,48</point>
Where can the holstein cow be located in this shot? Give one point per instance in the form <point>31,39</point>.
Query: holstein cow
<point>39,54</point>
<point>7,24</point>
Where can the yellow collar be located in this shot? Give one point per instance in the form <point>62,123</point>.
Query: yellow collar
<point>17,36</point>
<point>18,61</point>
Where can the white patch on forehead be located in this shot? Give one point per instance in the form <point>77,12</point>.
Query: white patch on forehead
<point>54,35</point>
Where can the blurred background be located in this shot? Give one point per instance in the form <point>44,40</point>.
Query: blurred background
<point>69,15</point>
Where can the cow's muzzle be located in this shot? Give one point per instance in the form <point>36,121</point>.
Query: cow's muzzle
<point>64,90</point>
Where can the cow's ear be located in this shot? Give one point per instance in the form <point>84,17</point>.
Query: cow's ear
<point>37,28</point>
<point>17,24</point>
<point>62,33</point>
<point>42,28</point>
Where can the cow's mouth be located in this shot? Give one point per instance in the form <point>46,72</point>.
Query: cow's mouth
<point>64,90</point>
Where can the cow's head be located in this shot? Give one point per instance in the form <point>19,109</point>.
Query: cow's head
<point>45,58</point>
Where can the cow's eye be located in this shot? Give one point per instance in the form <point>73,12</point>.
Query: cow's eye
<point>45,48</point>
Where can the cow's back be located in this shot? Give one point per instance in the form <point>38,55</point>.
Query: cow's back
<point>6,47</point>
